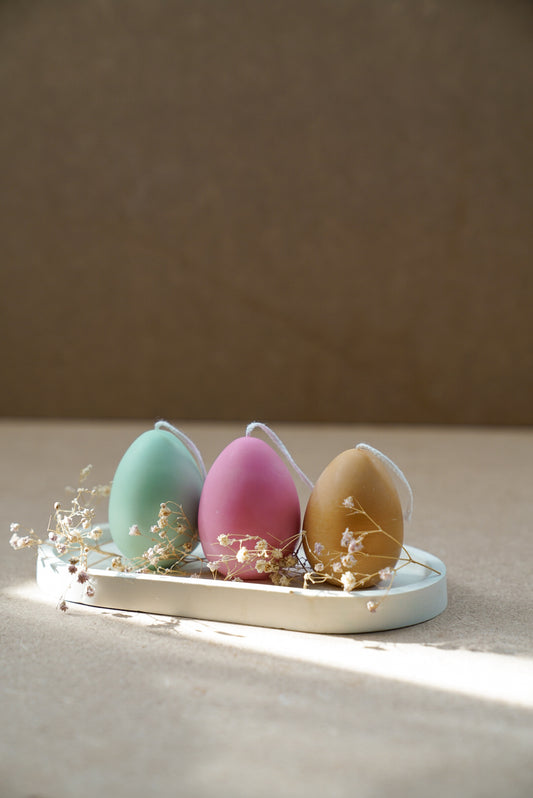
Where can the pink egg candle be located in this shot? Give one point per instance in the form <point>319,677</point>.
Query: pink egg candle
<point>250,497</point>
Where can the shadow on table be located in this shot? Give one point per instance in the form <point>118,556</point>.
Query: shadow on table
<point>474,621</point>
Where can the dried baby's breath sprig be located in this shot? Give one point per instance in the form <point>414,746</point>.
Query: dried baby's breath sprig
<point>344,561</point>
<point>71,531</point>
<point>173,540</point>
<point>23,541</point>
<point>254,551</point>
<point>70,528</point>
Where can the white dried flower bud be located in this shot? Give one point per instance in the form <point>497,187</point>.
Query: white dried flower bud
<point>134,530</point>
<point>243,555</point>
<point>25,541</point>
<point>386,575</point>
<point>347,537</point>
<point>355,545</point>
<point>348,581</point>
<point>223,540</point>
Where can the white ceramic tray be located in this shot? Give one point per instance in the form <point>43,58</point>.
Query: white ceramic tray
<point>417,595</point>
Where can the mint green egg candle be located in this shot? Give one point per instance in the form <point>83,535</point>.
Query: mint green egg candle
<point>153,505</point>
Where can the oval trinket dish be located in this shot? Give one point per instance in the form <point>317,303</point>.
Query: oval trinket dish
<point>417,595</point>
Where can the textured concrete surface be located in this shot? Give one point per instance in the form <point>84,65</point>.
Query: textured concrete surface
<point>98,701</point>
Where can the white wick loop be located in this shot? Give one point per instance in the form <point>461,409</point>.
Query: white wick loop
<point>193,449</point>
<point>401,479</point>
<point>279,443</point>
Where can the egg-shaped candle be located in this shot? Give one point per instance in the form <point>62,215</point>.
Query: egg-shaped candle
<point>153,505</point>
<point>249,515</point>
<point>353,524</point>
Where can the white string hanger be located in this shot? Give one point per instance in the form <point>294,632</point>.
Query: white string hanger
<point>190,445</point>
<point>398,476</point>
<point>281,446</point>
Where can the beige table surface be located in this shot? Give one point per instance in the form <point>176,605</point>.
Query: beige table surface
<point>98,702</point>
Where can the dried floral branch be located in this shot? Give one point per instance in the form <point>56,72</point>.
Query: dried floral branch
<point>277,561</point>
<point>71,532</point>
<point>345,562</point>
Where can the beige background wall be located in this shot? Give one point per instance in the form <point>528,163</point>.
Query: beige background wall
<point>294,210</point>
